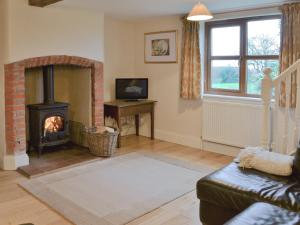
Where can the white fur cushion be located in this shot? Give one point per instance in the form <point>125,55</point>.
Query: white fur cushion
<point>265,161</point>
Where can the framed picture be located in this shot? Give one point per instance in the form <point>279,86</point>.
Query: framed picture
<point>161,47</point>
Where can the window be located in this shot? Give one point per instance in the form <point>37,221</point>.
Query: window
<point>237,52</point>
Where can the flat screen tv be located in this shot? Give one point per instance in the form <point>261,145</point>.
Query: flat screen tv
<point>132,89</point>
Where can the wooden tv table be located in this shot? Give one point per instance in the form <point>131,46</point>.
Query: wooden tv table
<point>120,108</point>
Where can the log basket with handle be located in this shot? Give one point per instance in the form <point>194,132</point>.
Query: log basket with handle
<point>102,143</point>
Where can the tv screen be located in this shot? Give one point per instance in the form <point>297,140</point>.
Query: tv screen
<point>132,89</point>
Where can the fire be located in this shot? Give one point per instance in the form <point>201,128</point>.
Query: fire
<point>53,124</point>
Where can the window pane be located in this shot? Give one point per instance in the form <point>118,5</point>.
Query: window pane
<point>225,74</point>
<point>225,41</point>
<point>255,74</point>
<point>264,37</point>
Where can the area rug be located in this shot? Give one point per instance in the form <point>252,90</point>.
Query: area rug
<point>117,190</point>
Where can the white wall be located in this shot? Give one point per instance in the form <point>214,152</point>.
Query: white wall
<point>176,120</point>
<point>119,61</point>
<point>3,10</point>
<point>119,53</point>
<point>37,31</point>
<point>27,31</point>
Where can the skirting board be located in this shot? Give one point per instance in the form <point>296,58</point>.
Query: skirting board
<point>189,141</point>
<point>196,143</point>
<point>220,148</point>
<point>13,162</point>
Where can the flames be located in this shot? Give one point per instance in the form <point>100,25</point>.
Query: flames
<point>53,124</point>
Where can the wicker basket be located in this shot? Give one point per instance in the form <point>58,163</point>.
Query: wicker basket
<point>101,144</point>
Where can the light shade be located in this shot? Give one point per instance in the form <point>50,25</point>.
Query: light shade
<point>199,12</point>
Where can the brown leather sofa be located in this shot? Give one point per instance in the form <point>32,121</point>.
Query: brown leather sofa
<point>232,190</point>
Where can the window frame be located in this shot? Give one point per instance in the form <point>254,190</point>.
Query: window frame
<point>242,58</point>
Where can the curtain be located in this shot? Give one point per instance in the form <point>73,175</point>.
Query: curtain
<point>290,51</point>
<point>190,68</point>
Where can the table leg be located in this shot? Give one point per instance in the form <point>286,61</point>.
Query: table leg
<point>137,124</point>
<point>152,123</point>
<point>118,119</point>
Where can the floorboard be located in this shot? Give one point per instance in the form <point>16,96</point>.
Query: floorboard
<point>17,206</point>
<point>55,159</point>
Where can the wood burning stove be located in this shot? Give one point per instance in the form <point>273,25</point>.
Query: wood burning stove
<point>48,122</point>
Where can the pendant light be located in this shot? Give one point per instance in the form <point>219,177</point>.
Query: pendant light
<point>199,12</point>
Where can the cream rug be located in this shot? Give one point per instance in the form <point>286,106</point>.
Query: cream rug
<point>117,190</point>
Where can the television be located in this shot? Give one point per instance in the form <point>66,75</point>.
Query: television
<point>132,88</point>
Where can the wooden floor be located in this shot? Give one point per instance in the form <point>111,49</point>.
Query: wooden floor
<point>17,206</point>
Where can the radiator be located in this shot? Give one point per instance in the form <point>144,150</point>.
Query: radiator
<point>231,123</point>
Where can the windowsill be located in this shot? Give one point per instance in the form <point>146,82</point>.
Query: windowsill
<point>225,98</point>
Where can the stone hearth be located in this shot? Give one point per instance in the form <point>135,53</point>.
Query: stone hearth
<point>15,125</point>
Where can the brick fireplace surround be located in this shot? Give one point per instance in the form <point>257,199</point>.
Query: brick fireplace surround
<point>15,127</point>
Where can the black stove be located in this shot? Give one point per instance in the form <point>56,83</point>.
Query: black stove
<point>48,122</point>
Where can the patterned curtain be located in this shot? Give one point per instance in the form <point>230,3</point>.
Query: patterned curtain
<point>290,51</point>
<point>190,74</point>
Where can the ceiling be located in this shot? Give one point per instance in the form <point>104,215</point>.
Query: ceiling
<point>133,9</point>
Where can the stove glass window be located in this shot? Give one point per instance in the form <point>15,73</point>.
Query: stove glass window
<point>53,124</point>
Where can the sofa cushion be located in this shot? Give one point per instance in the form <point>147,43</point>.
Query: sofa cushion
<point>236,188</point>
<point>263,213</point>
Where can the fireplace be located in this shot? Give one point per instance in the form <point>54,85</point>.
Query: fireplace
<point>48,122</point>
<point>15,122</point>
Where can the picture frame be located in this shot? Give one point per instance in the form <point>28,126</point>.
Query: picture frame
<point>161,47</point>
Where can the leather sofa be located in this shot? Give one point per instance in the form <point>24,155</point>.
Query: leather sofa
<point>265,214</point>
<point>228,192</point>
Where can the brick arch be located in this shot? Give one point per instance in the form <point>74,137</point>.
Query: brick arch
<point>15,95</point>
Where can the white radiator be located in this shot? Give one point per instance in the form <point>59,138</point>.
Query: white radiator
<point>232,123</point>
